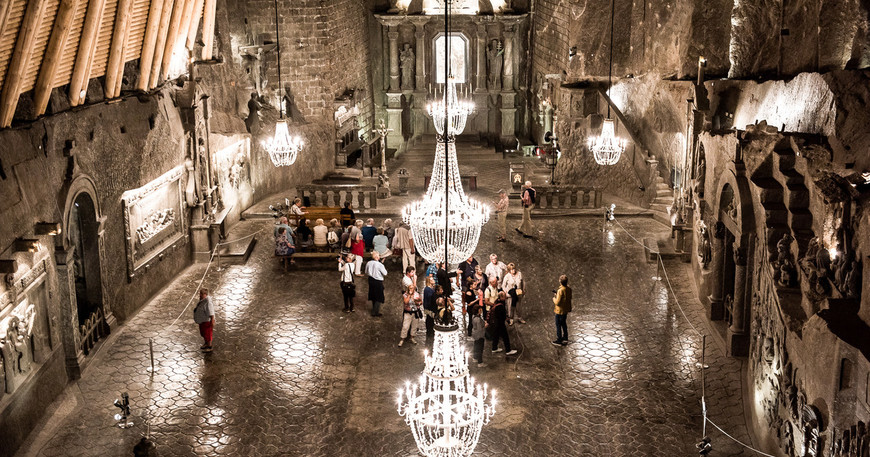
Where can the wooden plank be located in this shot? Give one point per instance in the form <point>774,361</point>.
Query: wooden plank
<point>84,57</point>
<point>148,43</point>
<point>138,19</point>
<point>5,8</point>
<point>115,65</point>
<point>68,56</point>
<point>172,36</point>
<point>59,34</point>
<point>208,29</point>
<point>40,45</point>
<point>153,78</point>
<point>104,40</point>
<point>20,59</point>
<point>194,23</point>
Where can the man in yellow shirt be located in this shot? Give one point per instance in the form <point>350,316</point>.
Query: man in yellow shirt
<point>562,302</point>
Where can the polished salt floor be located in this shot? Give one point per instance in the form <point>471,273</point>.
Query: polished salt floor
<point>291,375</point>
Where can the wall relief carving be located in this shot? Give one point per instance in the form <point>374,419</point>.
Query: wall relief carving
<point>25,330</point>
<point>153,219</point>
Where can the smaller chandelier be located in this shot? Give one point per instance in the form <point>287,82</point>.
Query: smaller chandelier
<point>455,114</point>
<point>283,149</point>
<point>607,147</point>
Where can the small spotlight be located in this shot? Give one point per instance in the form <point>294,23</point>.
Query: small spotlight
<point>833,253</point>
<point>26,245</point>
<point>124,405</point>
<point>47,228</point>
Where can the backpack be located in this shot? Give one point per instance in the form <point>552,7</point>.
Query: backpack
<point>332,238</point>
<point>529,197</point>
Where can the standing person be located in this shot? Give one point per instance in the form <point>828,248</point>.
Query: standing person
<point>467,268</point>
<point>490,296</point>
<point>495,268</point>
<point>443,279</point>
<point>482,281</point>
<point>203,314</point>
<point>357,246</point>
<point>501,209</point>
<point>389,230</point>
<point>478,332</point>
<point>432,271</point>
<point>411,301</point>
<point>402,240</point>
<point>369,231</point>
<point>562,302</point>
<point>348,288</point>
<point>471,298</point>
<point>409,279</point>
<point>527,229</point>
<point>430,307</point>
<point>347,215</point>
<point>497,320</point>
<point>513,285</point>
<point>376,273</point>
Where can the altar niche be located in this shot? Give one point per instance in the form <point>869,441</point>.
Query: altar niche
<point>83,227</point>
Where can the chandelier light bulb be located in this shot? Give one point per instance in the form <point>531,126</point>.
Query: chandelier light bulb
<point>607,148</point>
<point>451,107</point>
<point>282,148</point>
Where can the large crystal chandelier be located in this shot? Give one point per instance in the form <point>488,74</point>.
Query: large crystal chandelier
<point>447,409</point>
<point>606,147</point>
<point>282,148</point>
<point>446,223</point>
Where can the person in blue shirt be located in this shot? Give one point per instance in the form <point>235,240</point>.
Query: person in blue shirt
<point>368,232</point>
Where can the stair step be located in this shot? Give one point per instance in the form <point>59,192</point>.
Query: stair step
<point>659,207</point>
<point>663,200</point>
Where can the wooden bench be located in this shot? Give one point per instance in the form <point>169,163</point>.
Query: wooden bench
<point>326,213</point>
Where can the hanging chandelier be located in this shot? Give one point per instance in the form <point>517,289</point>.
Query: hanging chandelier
<point>445,223</point>
<point>450,111</point>
<point>606,147</point>
<point>282,148</point>
<point>447,409</point>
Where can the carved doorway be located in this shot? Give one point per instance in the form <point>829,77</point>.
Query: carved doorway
<point>86,269</point>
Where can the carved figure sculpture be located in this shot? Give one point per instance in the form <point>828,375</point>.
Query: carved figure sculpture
<point>701,174</point>
<point>16,349</point>
<point>253,119</point>
<point>853,278</point>
<point>2,375</point>
<point>705,249</point>
<point>785,272</point>
<point>407,62</point>
<point>495,59</point>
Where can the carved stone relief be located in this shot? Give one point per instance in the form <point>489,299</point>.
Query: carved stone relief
<point>25,330</point>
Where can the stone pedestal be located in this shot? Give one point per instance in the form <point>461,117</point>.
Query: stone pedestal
<point>738,339</point>
<point>394,121</point>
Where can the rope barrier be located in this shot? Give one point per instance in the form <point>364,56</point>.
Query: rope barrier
<point>694,329</point>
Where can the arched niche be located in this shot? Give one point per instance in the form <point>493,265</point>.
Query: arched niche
<point>459,7</point>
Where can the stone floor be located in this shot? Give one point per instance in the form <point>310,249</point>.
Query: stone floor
<point>291,375</point>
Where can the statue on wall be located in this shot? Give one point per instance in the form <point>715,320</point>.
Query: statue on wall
<point>495,59</point>
<point>16,349</point>
<point>407,63</point>
<point>701,172</point>
<point>253,119</point>
<point>2,375</point>
<point>705,249</point>
<point>785,273</point>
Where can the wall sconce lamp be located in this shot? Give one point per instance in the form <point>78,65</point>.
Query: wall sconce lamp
<point>26,245</point>
<point>8,266</point>
<point>47,228</point>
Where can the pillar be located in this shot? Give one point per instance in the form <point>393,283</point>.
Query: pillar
<point>420,36</point>
<point>510,34</point>
<point>717,265</point>
<point>508,119</point>
<point>393,36</point>
<point>394,121</point>
<point>738,342</point>
<point>69,320</point>
<point>480,82</point>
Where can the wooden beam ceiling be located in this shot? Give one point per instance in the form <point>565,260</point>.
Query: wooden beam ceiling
<point>20,60</point>
<point>56,44</point>
<point>45,44</point>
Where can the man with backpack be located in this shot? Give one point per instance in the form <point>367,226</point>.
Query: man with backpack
<point>562,302</point>
<point>528,197</point>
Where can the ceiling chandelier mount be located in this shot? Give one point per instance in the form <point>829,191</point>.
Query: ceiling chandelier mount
<point>283,149</point>
<point>607,148</point>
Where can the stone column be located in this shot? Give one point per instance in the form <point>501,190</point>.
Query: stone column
<point>393,35</point>
<point>717,312</point>
<point>480,81</point>
<point>510,34</point>
<point>394,121</point>
<point>420,36</point>
<point>738,342</point>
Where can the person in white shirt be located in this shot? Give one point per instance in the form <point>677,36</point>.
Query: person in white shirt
<point>402,240</point>
<point>495,268</point>
<point>513,285</point>
<point>320,231</point>
<point>410,278</point>
<point>348,288</point>
<point>297,210</point>
<point>376,273</point>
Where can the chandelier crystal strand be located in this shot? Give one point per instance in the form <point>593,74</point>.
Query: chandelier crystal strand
<point>606,147</point>
<point>450,111</point>
<point>282,148</point>
<point>446,409</point>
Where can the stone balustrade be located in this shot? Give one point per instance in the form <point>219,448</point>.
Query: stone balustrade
<point>362,197</point>
<point>564,197</point>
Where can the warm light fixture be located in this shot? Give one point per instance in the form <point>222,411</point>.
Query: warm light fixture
<point>26,245</point>
<point>47,228</point>
<point>606,147</point>
<point>282,148</point>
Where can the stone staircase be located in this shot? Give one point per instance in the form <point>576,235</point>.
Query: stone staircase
<point>662,202</point>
